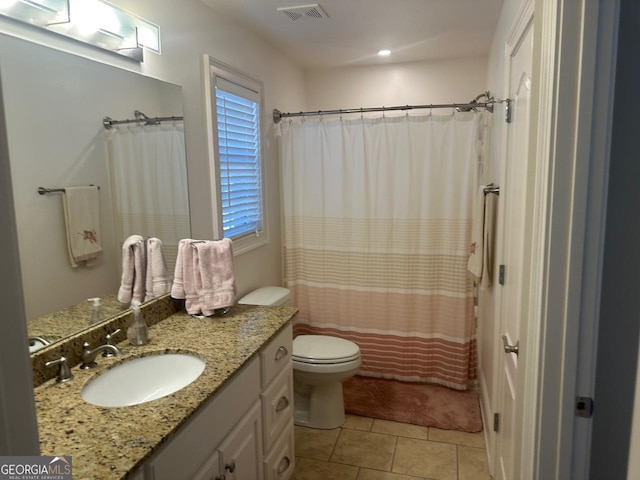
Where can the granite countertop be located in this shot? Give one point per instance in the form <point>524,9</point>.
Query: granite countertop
<point>110,443</point>
<point>73,319</point>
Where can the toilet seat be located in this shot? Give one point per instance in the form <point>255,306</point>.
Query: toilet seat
<point>323,350</point>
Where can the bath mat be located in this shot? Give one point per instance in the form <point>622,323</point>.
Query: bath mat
<point>416,403</point>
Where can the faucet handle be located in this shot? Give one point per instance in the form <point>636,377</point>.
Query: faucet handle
<point>64,373</point>
<point>86,352</point>
<point>109,353</point>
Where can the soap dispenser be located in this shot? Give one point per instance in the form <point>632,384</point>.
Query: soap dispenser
<point>138,332</point>
<point>96,314</point>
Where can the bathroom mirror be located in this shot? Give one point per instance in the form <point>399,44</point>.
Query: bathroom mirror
<point>54,105</point>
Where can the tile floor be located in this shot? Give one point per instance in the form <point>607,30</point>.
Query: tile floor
<point>370,449</point>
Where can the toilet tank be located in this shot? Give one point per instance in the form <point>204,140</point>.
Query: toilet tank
<point>268,296</point>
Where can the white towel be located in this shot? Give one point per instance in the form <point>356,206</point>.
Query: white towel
<point>482,237</point>
<point>184,277</point>
<point>204,275</point>
<point>157,280</point>
<point>216,284</point>
<point>132,284</point>
<point>490,215</point>
<point>82,219</point>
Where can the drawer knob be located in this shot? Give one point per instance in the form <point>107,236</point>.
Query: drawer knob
<point>282,404</point>
<point>281,353</point>
<point>283,465</point>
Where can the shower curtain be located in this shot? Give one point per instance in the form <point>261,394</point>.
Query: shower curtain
<point>377,223</point>
<point>149,184</point>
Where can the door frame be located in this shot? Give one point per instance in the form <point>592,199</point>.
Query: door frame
<point>565,147</point>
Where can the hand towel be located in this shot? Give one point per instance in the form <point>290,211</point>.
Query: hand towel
<point>490,215</point>
<point>133,265</point>
<point>216,284</point>
<point>82,219</point>
<point>156,279</point>
<point>480,262</point>
<point>183,286</point>
<point>475,263</point>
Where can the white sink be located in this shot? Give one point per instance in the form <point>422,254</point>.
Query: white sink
<point>143,379</point>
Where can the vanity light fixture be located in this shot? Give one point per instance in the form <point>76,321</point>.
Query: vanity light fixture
<point>384,53</point>
<point>96,22</point>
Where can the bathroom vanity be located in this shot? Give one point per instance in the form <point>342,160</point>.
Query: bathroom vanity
<point>236,419</point>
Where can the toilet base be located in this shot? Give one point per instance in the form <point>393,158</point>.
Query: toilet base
<point>319,406</point>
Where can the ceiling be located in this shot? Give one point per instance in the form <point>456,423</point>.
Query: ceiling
<point>414,30</point>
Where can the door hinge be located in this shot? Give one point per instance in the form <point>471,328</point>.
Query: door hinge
<point>496,422</point>
<point>501,275</point>
<point>584,407</point>
<point>507,110</point>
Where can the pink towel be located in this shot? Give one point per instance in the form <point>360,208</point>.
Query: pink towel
<point>157,281</point>
<point>184,277</point>
<point>133,269</point>
<point>216,285</point>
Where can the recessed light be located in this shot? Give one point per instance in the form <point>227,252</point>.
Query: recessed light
<point>384,53</point>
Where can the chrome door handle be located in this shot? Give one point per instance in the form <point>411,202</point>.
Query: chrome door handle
<point>510,348</point>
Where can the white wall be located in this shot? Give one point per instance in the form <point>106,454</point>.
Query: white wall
<point>190,29</point>
<point>438,81</point>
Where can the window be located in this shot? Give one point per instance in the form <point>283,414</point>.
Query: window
<point>235,111</point>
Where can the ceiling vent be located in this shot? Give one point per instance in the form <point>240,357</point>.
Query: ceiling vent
<point>304,11</point>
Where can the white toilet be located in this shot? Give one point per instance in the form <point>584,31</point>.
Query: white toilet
<point>320,364</point>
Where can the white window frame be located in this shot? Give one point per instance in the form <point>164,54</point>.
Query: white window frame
<point>213,69</point>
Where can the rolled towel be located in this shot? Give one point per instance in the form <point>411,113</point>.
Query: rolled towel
<point>157,280</point>
<point>132,260</point>
<point>184,277</point>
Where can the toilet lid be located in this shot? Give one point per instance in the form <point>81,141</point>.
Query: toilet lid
<point>323,349</point>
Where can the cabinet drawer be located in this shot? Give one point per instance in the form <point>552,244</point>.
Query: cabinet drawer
<point>277,406</point>
<point>277,355</point>
<point>279,464</point>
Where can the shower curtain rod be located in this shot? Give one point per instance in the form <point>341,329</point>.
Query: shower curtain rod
<point>108,122</point>
<point>461,107</point>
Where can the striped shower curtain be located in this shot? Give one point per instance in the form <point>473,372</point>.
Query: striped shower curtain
<point>377,223</point>
<point>148,169</point>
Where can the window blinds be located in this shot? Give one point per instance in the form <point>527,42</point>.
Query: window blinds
<point>238,113</point>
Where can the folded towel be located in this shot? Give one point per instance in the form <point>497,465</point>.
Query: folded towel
<point>490,215</point>
<point>82,219</point>
<point>132,283</point>
<point>157,280</point>
<point>482,237</point>
<point>216,285</point>
<point>183,286</point>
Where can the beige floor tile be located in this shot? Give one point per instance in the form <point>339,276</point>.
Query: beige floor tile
<point>314,443</point>
<point>434,460</point>
<point>472,464</point>
<point>366,474</point>
<point>400,429</point>
<point>364,449</point>
<point>457,437</point>
<point>307,469</point>
<point>354,422</point>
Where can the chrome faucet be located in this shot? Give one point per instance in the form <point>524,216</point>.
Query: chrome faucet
<point>89,356</point>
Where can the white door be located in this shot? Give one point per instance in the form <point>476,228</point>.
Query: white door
<point>514,208</point>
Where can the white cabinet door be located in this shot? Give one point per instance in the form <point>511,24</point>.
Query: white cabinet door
<point>210,470</point>
<point>241,450</point>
